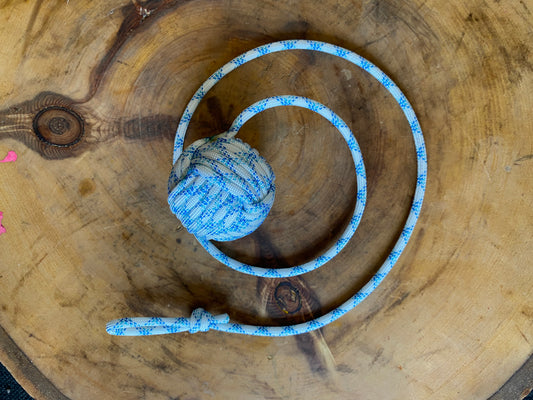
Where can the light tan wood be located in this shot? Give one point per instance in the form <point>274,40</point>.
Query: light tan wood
<point>90,237</point>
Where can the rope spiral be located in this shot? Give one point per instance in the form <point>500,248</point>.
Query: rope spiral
<point>336,121</point>
<point>222,189</point>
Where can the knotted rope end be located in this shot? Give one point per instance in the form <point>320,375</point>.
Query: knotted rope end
<point>202,321</point>
<point>199,321</point>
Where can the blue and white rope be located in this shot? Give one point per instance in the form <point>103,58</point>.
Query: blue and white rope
<point>257,194</point>
<point>335,249</point>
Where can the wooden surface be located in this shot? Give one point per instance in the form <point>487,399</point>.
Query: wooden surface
<point>90,237</point>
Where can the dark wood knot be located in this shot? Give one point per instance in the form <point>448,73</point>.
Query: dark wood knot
<point>58,126</point>
<point>288,298</point>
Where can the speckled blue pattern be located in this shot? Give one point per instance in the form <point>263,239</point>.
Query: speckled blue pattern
<point>201,320</point>
<point>221,189</point>
<point>242,118</point>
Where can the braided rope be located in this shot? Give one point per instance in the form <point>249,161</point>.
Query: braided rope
<point>335,249</point>
<point>201,320</point>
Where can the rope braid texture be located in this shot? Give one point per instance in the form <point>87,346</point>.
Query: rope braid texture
<point>222,189</point>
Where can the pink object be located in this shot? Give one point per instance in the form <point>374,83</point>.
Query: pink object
<point>11,156</point>
<point>2,229</point>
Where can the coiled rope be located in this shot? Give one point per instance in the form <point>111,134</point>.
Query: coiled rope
<point>222,189</point>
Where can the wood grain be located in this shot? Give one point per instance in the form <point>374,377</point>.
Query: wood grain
<point>90,97</point>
